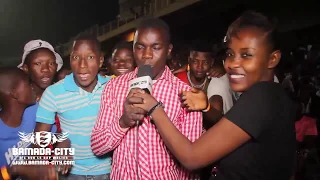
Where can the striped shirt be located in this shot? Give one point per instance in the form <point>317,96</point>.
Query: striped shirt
<point>154,159</point>
<point>77,110</point>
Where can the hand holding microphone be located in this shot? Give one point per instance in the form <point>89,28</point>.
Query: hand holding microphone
<point>139,85</point>
<point>131,113</point>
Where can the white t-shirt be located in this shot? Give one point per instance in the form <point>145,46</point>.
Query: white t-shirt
<point>220,86</point>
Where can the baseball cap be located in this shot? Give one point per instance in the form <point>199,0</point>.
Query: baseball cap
<point>36,44</point>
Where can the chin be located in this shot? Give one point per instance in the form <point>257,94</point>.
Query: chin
<point>238,87</point>
<point>44,86</point>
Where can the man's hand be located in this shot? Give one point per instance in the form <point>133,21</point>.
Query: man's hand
<point>64,168</point>
<point>216,72</point>
<point>131,113</point>
<point>194,100</point>
<point>36,172</point>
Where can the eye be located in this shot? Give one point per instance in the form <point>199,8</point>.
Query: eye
<point>139,47</point>
<point>228,54</point>
<point>38,63</point>
<point>246,55</point>
<point>52,63</point>
<point>90,57</point>
<point>76,57</point>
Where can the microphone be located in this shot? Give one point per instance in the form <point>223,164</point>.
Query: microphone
<point>143,80</point>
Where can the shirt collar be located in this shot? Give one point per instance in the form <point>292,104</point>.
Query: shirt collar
<point>166,74</point>
<point>70,84</point>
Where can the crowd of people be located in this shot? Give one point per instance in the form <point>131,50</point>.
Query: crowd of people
<point>226,114</point>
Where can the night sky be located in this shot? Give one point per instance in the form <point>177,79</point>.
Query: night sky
<point>52,20</point>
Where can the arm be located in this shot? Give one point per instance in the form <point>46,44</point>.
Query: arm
<point>218,141</point>
<point>46,112</point>
<point>107,133</point>
<point>215,113</point>
<point>228,134</point>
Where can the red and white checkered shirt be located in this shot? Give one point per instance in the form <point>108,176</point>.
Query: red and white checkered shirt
<point>154,159</point>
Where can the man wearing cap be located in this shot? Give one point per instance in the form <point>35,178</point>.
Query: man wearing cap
<point>41,62</point>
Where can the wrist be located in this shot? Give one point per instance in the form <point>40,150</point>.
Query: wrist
<point>207,109</point>
<point>156,106</point>
<point>121,123</point>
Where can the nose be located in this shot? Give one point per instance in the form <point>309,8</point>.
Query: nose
<point>45,67</point>
<point>122,62</point>
<point>83,63</point>
<point>147,53</point>
<point>232,63</point>
<point>200,66</point>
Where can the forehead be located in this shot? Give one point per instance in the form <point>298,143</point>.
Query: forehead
<point>150,36</point>
<point>43,52</point>
<point>200,55</point>
<point>122,51</point>
<point>248,38</point>
<point>85,45</point>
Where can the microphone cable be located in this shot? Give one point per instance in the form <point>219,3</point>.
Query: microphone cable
<point>137,149</point>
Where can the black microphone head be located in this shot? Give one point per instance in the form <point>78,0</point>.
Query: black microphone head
<point>145,70</point>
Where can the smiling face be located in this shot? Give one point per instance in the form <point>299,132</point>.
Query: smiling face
<point>122,61</point>
<point>249,59</point>
<point>85,61</point>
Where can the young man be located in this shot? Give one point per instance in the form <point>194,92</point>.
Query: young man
<point>76,101</point>
<point>41,63</point>
<point>122,60</point>
<point>200,61</point>
<point>16,95</point>
<point>115,128</point>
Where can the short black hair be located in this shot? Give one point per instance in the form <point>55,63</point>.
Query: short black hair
<point>156,23</point>
<point>200,45</point>
<point>89,37</point>
<point>123,45</point>
<point>257,20</point>
<point>27,58</point>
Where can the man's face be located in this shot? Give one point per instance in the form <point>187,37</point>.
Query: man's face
<point>85,61</point>
<point>151,47</point>
<point>41,67</point>
<point>200,63</point>
<point>122,61</point>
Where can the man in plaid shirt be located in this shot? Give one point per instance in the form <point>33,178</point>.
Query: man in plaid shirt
<point>149,159</point>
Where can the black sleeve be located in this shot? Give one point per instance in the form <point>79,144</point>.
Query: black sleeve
<point>256,108</point>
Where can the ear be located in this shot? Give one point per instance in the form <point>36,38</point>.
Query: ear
<point>274,59</point>
<point>25,68</point>
<point>170,49</point>
<point>14,94</point>
<point>101,61</point>
<point>212,62</point>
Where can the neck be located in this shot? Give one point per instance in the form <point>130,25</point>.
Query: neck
<point>159,74</point>
<point>91,87</point>
<point>38,90</point>
<point>11,114</point>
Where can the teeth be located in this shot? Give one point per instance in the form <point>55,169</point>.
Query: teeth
<point>122,70</point>
<point>45,79</point>
<point>236,76</point>
<point>84,76</point>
